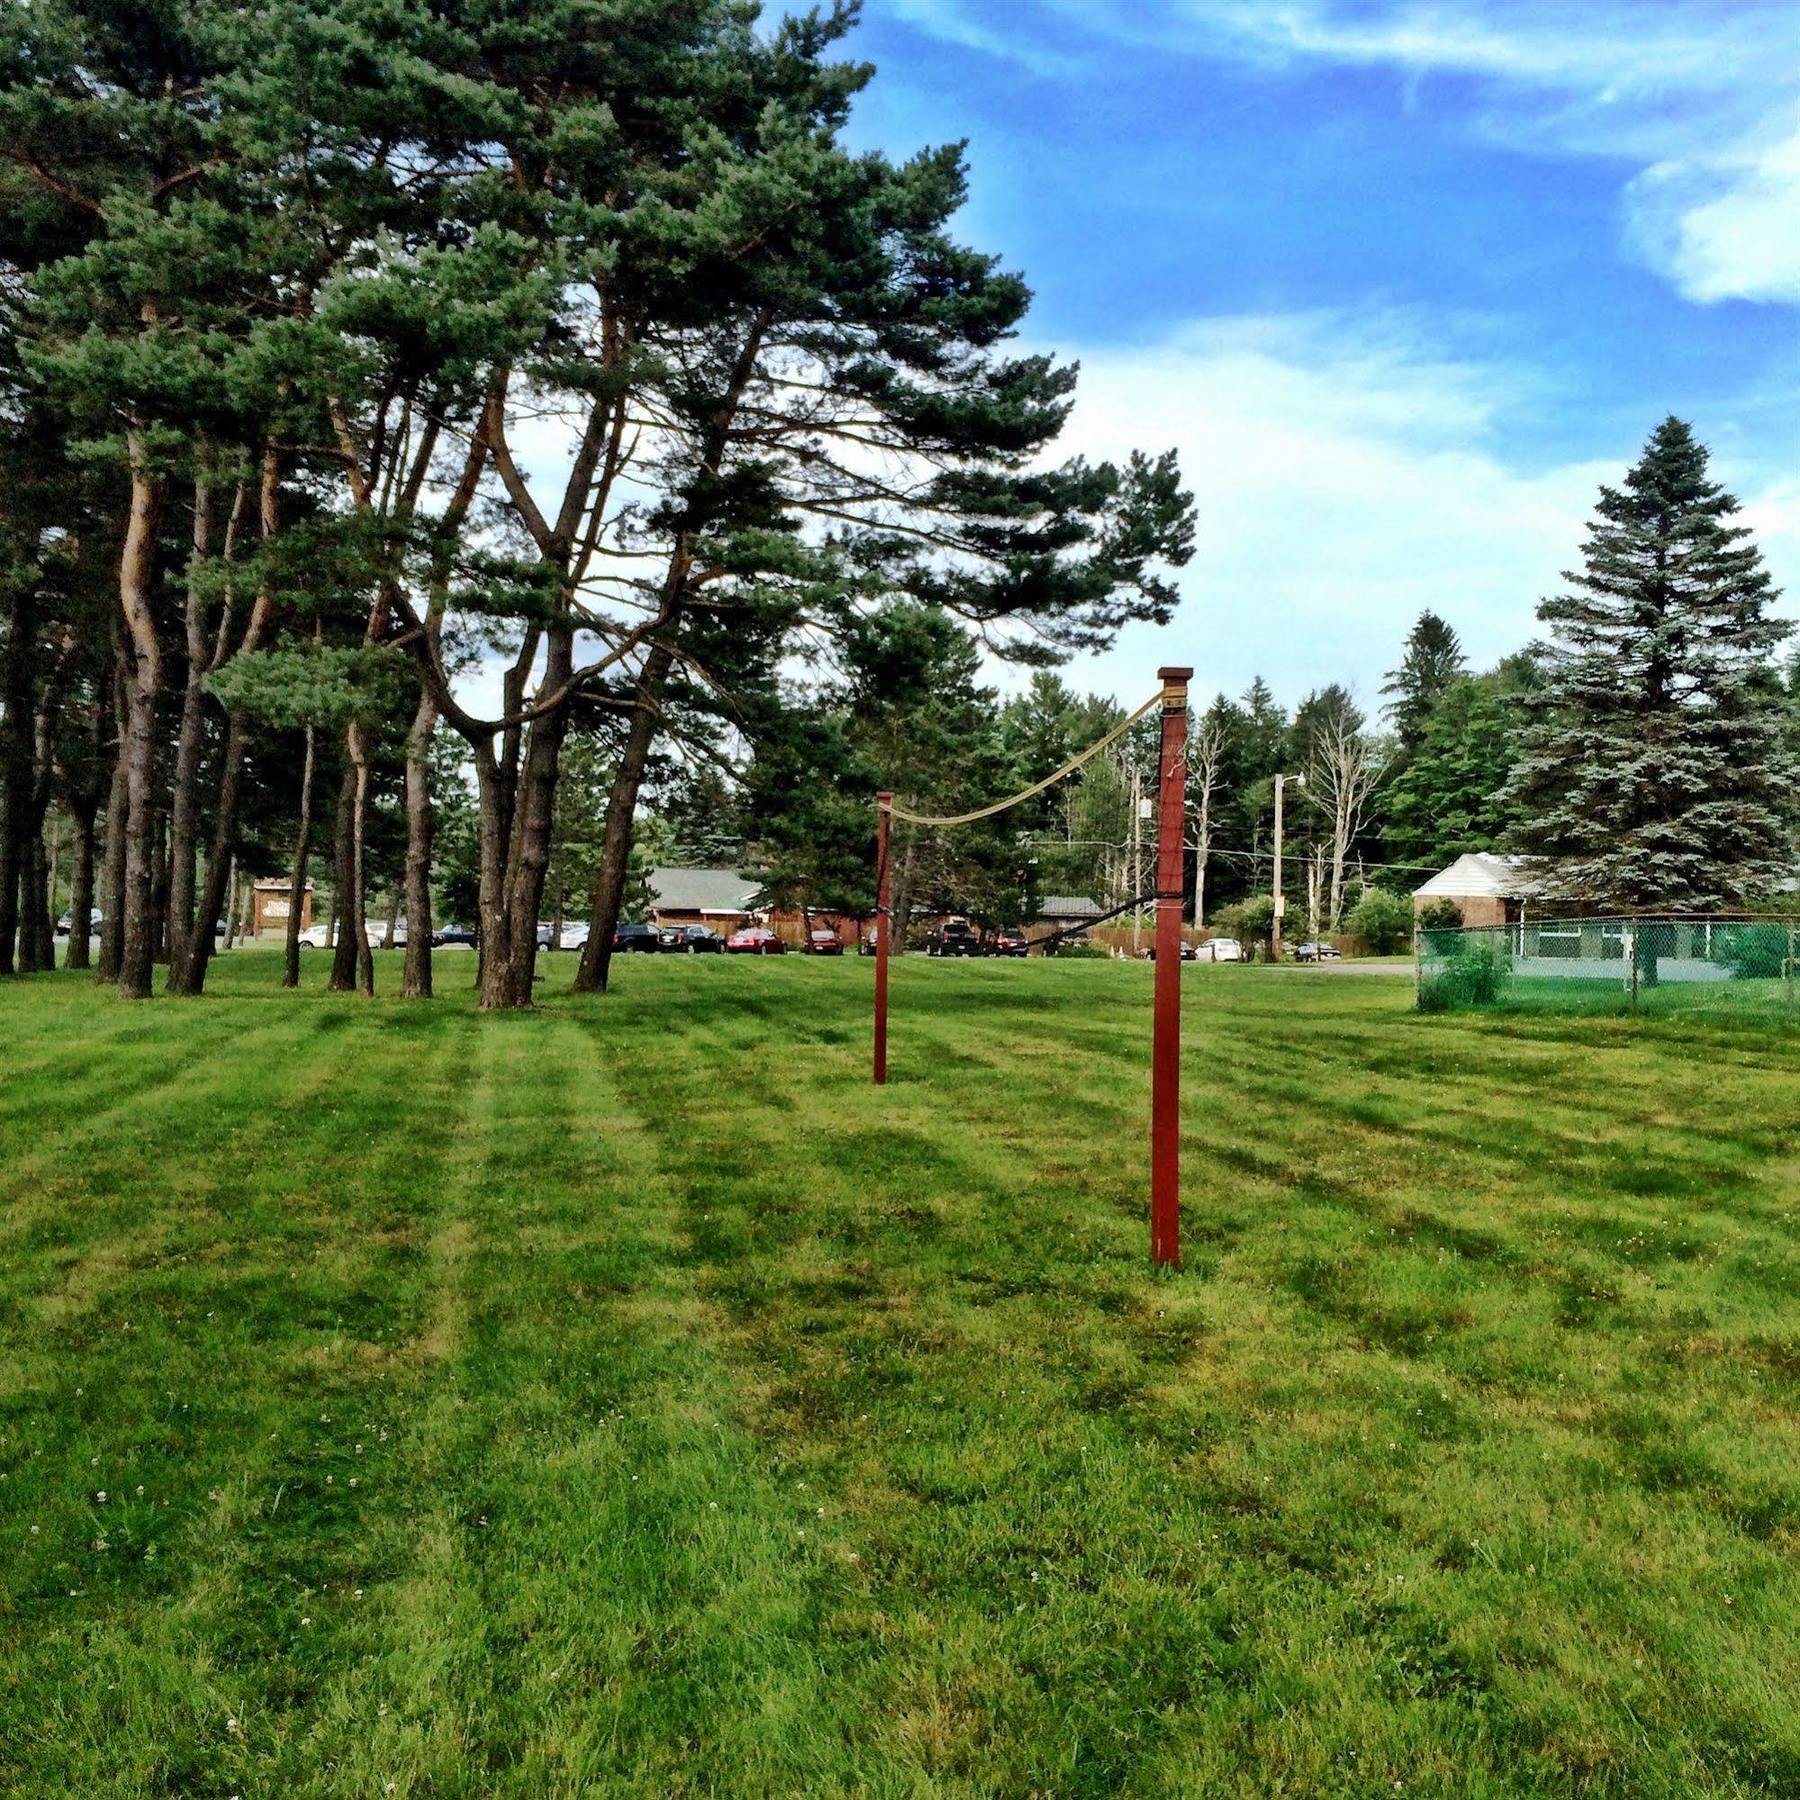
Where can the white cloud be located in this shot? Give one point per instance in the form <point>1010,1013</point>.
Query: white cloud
<point>1701,97</point>
<point>1347,478</point>
<point>1725,228</point>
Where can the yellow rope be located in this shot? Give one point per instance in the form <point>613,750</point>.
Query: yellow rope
<point>1068,768</point>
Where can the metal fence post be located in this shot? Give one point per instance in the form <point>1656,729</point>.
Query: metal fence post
<point>1787,974</point>
<point>1632,933</point>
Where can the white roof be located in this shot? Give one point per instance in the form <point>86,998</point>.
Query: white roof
<point>1478,875</point>
<point>722,891</point>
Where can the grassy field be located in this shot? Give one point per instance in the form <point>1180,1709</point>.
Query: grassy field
<point>626,1399</point>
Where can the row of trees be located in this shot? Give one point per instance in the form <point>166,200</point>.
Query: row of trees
<point>1642,756</point>
<point>1643,753</point>
<point>425,414</point>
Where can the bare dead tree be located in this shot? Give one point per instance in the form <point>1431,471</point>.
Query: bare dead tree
<point>1207,750</point>
<point>1341,780</point>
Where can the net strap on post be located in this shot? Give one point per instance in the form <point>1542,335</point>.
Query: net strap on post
<point>1168,891</point>
<point>890,806</point>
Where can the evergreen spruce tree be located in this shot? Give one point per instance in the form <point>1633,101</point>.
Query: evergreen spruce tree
<point>1431,665</point>
<point>1657,771</point>
<point>1451,796</point>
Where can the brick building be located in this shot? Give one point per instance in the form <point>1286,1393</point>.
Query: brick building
<point>1487,889</point>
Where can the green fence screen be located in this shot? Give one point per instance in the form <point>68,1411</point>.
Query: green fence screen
<point>1739,966</point>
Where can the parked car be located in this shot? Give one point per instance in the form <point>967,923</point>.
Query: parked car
<point>1219,949</point>
<point>824,943</point>
<point>1189,952</point>
<point>955,937</point>
<point>1313,953</point>
<point>1011,943</point>
<point>755,940</point>
<point>690,940</point>
<point>546,936</point>
<point>320,937</point>
<point>455,934</point>
<point>575,937</point>
<point>643,938</point>
<point>96,919</point>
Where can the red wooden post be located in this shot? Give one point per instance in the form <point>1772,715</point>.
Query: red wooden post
<point>884,820</point>
<point>1165,1074</point>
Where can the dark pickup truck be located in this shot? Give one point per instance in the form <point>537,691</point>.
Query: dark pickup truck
<point>955,938</point>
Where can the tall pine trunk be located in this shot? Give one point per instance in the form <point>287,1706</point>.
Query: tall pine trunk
<point>84,805</point>
<point>534,818</point>
<point>420,825</point>
<point>343,879</point>
<point>37,939</point>
<point>290,975</point>
<point>184,830</point>
<point>621,810</point>
<point>359,888</point>
<point>187,972</point>
<point>112,902</point>
<point>493,795</point>
<point>144,682</point>
<point>189,977</point>
<point>159,889</point>
<point>16,771</point>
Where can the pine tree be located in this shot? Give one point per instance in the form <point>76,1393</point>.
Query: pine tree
<point>1451,795</point>
<point>1432,663</point>
<point>1657,771</point>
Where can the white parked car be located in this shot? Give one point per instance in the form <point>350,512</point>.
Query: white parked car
<point>318,937</point>
<point>1219,950</point>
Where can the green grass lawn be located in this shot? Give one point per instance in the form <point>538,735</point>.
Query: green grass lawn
<point>628,1399</point>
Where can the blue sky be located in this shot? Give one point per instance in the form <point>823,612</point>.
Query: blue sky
<point>1402,282</point>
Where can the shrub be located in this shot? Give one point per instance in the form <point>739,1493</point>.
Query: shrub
<point>1251,921</point>
<point>1751,952</point>
<point>1473,976</point>
<point>1383,921</point>
<point>1440,915</point>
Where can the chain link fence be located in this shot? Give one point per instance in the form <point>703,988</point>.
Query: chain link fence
<point>1740,967</point>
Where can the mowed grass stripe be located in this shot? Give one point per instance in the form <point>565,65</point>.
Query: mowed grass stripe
<point>607,1572</point>
<point>1391,1387</point>
<point>1468,1469</point>
<point>229,1370</point>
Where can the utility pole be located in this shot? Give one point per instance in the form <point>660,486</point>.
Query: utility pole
<point>1281,782</point>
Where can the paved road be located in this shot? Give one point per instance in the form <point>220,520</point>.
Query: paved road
<point>1404,970</point>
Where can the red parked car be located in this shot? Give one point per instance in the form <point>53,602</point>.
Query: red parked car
<point>755,940</point>
<point>1010,943</point>
<point>824,943</point>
